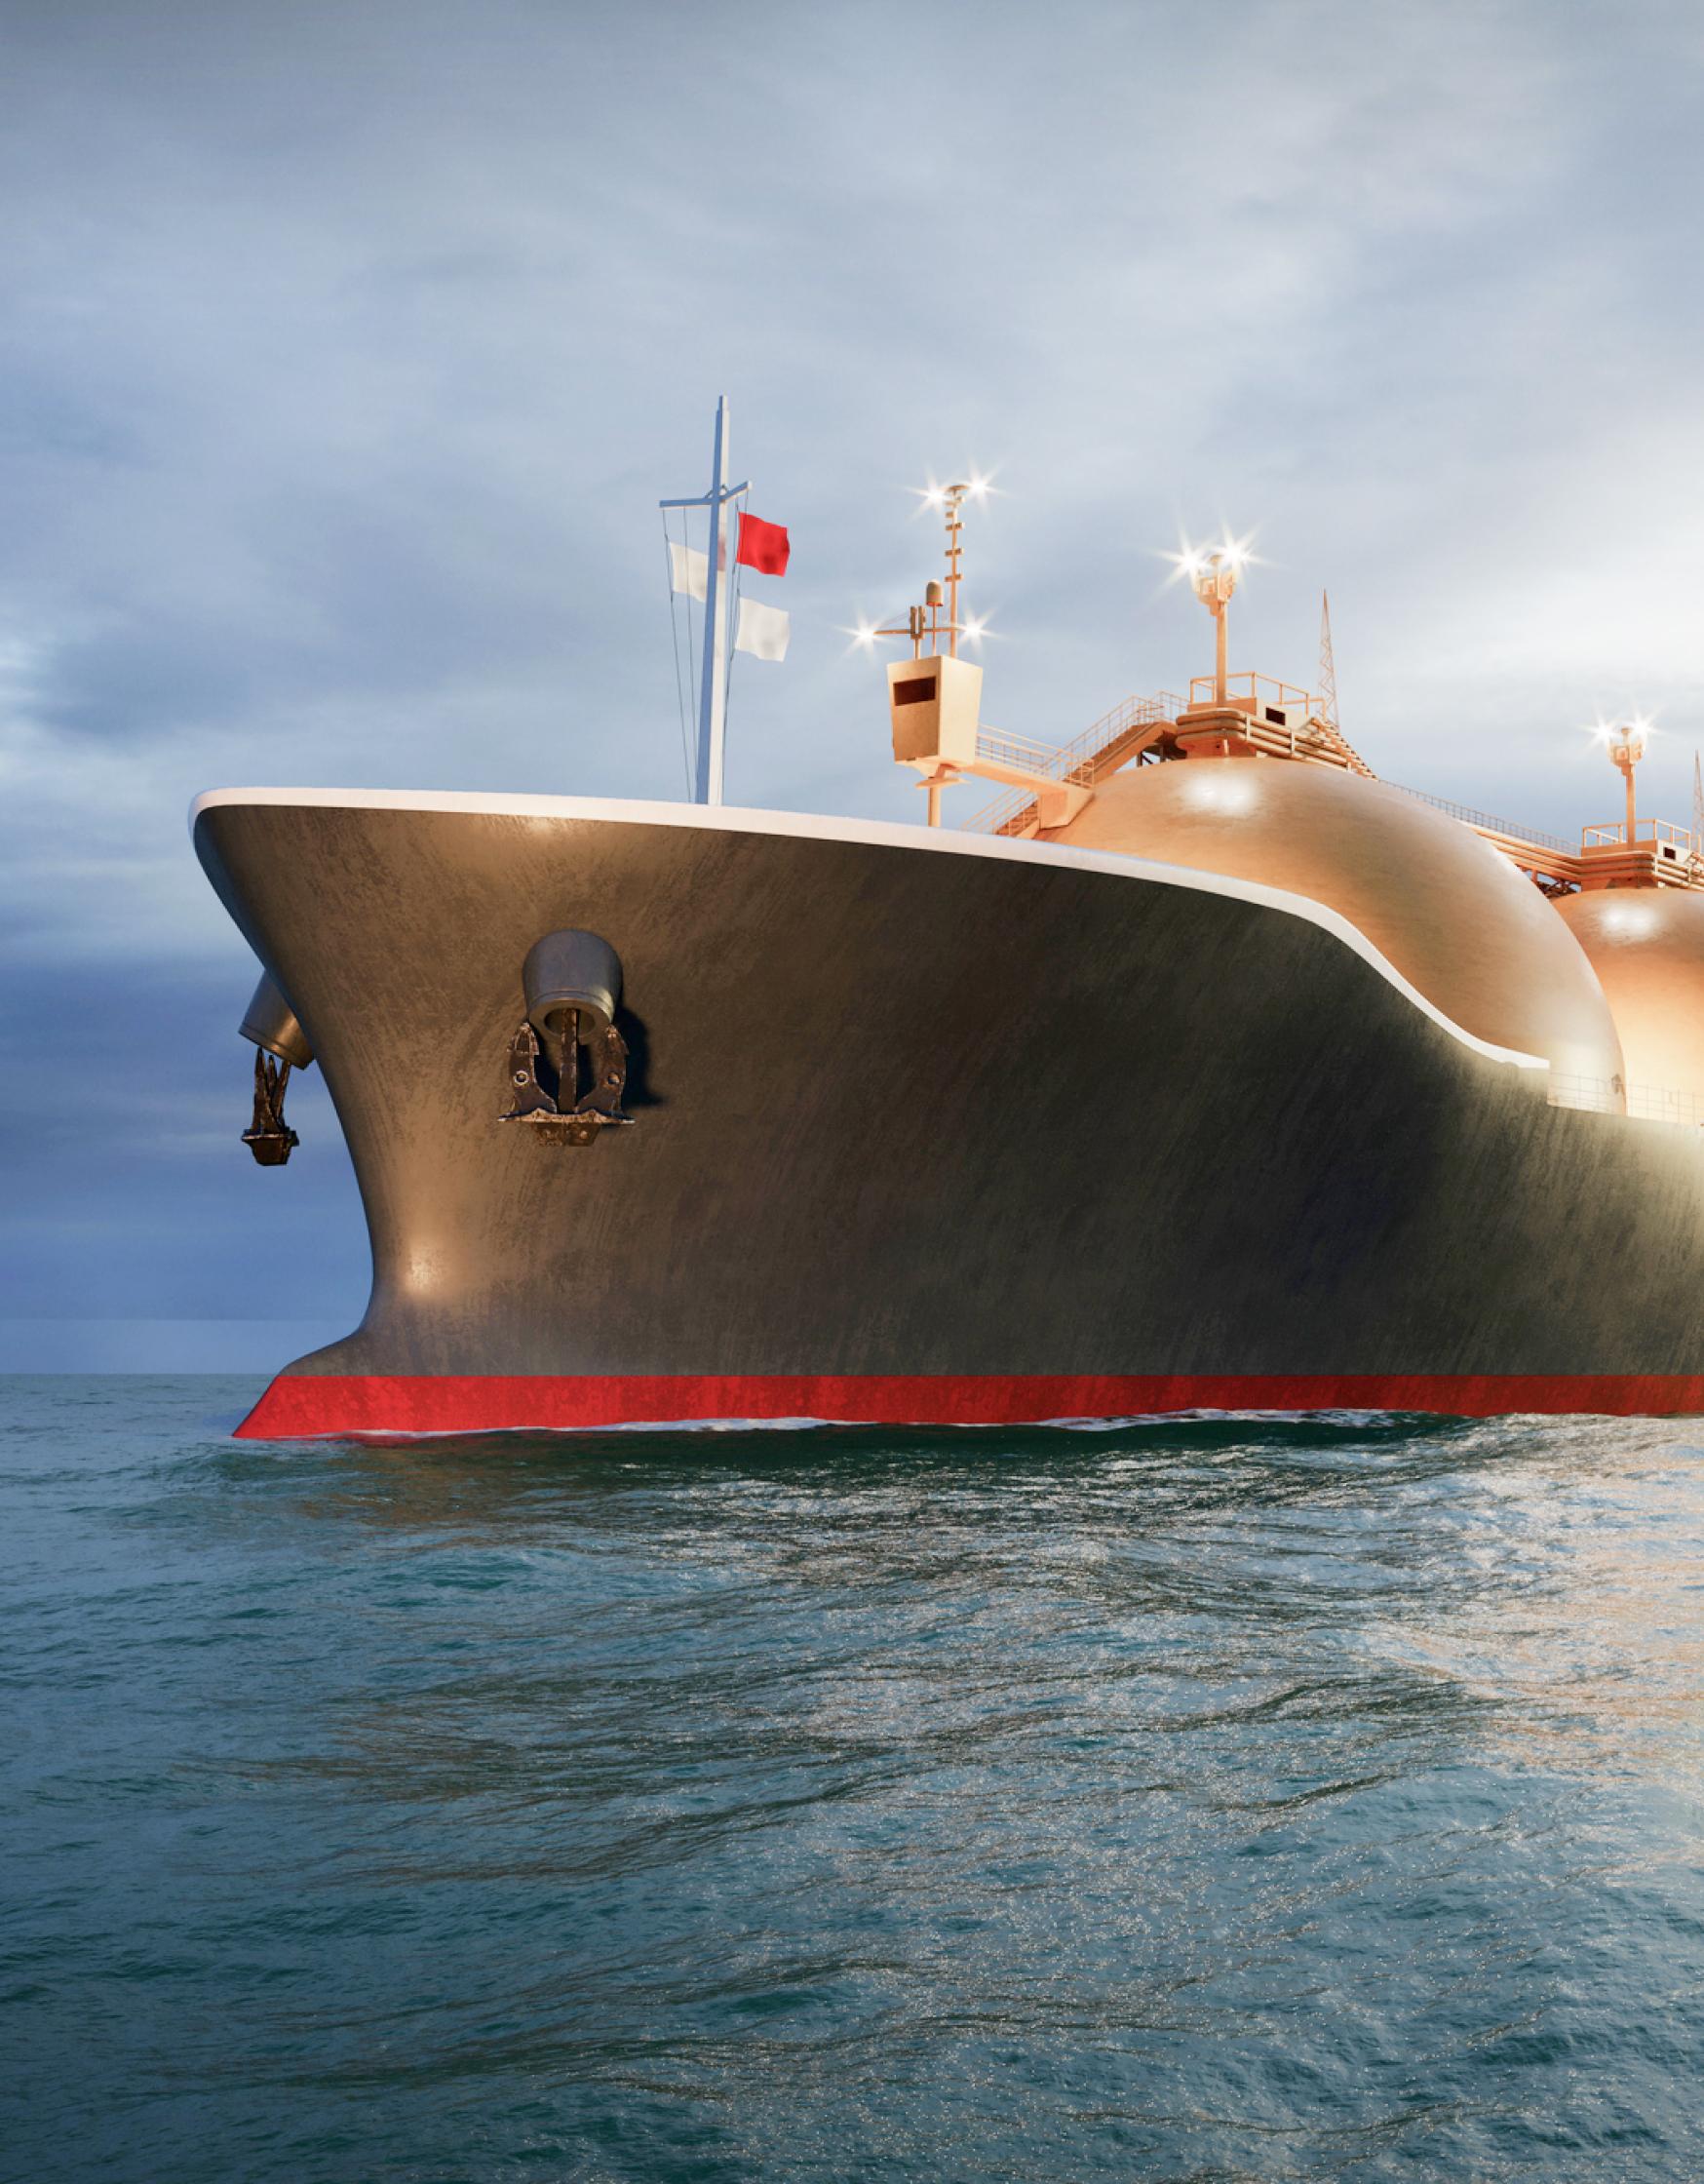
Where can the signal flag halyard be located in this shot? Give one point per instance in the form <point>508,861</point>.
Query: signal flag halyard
<point>763,546</point>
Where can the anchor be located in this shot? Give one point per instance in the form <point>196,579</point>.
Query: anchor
<point>269,1138</point>
<point>572,981</point>
<point>571,1118</point>
<point>279,1043</point>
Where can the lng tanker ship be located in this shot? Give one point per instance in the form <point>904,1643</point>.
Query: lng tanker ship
<point>1204,1070</point>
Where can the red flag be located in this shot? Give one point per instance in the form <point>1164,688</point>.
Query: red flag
<point>763,546</point>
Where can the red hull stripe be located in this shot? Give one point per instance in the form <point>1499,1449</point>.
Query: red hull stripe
<point>301,1404</point>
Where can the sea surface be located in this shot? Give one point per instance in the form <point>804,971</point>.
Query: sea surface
<point>1203,1799</point>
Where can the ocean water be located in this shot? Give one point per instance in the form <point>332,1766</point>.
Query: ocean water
<point>1197,1800</point>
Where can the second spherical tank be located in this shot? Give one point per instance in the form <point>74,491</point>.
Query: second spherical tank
<point>1438,902</point>
<point>1647,946</point>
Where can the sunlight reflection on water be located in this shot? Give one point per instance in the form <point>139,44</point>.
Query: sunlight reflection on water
<point>1306,1798</point>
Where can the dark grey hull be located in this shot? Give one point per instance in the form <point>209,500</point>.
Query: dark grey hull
<point>932,1129</point>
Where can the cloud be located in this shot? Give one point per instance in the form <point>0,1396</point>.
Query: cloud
<point>351,349</point>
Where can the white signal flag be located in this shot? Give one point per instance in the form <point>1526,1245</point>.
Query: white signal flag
<point>762,631</point>
<point>689,569</point>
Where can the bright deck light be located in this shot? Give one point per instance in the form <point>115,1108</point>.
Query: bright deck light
<point>1213,572</point>
<point>1626,739</point>
<point>1230,556</point>
<point>1238,551</point>
<point>1184,563</point>
<point>1215,577</point>
<point>977,486</point>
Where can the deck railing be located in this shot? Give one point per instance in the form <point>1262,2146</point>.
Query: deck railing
<point>1471,818</point>
<point>1612,834</point>
<point>1255,689</point>
<point>1048,759</point>
<point>1069,762</point>
<point>1644,1103</point>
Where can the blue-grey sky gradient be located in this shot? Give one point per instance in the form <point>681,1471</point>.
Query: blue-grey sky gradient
<point>348,348</point>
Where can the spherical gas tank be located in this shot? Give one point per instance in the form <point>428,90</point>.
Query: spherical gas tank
<point>1647,946</point>
<point>1444,908</point>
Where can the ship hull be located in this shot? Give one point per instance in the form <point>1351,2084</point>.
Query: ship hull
<point>930,1128</point>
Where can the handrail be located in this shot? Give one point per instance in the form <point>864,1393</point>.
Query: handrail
<point>1252,686</point>
<point>1358,763</point>
<point>1644,1103</point>
<point>1469,817</point>
<point>1135,711</point>
<point>1046,759</point>
<point>1072,761</point>
<point>994,818</point>
<point>1612,834</point>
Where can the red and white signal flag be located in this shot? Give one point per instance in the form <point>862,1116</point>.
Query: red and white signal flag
<point>762,631</point>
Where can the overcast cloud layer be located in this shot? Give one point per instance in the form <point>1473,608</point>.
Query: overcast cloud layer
<point>348,348</point>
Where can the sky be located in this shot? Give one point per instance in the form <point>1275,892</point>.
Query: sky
<point>346,350</point>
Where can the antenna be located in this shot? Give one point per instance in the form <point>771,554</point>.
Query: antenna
<point>1328,670</point>
<point>951,499</point>
<point>925,622</point>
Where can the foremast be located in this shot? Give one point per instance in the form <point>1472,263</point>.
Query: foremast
<point>712,695</point>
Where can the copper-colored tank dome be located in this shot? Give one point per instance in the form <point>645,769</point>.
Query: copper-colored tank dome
<point>1449,910</point>
<point>1647,946</point>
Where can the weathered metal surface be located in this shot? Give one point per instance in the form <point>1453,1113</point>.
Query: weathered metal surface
<point>527,1097</point>
<point>1233,1146</point>
<point>270,1022</point>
